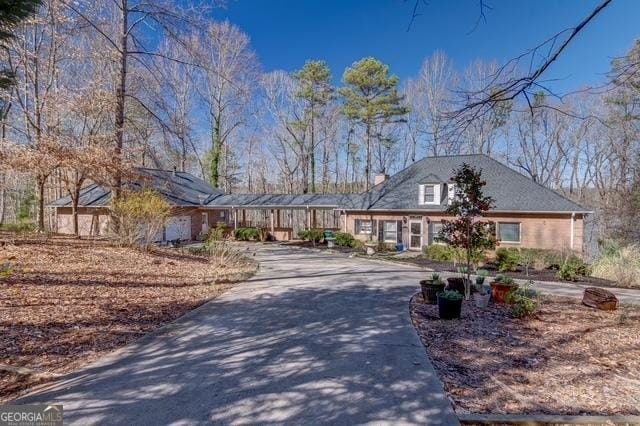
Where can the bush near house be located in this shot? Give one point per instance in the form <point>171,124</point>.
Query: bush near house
<point>440,253</point>
<point>507,259</point>
<point>247,234</point>
<point>344,239</point>
<point>573,269</point>
<point>138,217</point>
<point>313,235</point>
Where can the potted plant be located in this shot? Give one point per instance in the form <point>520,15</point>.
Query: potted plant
<point>481,296</point>
<point>458,283</point>
<point>430,289</point>
<point>481,276</point>
<point>449,304</point>
<point>501,286</point>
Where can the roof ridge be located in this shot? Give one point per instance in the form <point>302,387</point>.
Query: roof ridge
<point>536,182</point>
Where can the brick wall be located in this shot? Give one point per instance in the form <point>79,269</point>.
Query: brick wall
<point>545,231</point>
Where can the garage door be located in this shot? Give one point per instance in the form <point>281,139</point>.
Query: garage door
<point>178,227</point>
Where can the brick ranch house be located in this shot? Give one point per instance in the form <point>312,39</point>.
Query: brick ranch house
<point>186,194</point>
<point>407,207</point>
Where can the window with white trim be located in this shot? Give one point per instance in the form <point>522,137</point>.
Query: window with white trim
<point>509,232</point>
<point>363,227</point>
<point>430,193</point>
<point>390,234</point>
<point>436,228</point>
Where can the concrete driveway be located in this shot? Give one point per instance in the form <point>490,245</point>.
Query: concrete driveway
<point>311,339</point>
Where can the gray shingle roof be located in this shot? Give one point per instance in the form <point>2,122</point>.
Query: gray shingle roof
<point>181,189</point>
<point>511,190</point>
<point>284,200</point>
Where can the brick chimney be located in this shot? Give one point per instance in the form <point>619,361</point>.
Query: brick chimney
<point>378,179</point>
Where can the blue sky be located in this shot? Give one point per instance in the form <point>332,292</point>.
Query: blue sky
<point>285,33</point>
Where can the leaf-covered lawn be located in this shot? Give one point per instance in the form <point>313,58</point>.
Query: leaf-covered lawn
<point>67,302</point>
<point>566,359</point>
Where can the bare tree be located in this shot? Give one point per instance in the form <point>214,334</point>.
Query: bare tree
<point>229,76</point>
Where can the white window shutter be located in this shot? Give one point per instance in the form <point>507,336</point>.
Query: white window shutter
<point>436,194</point>
<point>421,195</point>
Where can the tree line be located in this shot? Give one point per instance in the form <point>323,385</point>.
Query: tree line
<point>100,87</point>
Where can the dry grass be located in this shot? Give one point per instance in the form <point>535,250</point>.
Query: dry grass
<point>566,359</point>
<point>621,266</point>
<point>67,302</point>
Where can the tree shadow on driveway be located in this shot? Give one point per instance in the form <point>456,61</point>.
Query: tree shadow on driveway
<point>338,350</point>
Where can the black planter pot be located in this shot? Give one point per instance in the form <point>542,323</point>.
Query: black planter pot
<point>456,284</point>
<point>449,309</point>
<point>430,291</point>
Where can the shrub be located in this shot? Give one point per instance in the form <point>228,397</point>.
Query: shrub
<point>523,301</point>
<point>503,279</point>
<point>621,265</point>
<point>507,259</point>
<point>357,244</point>
<point>20,227</point>
<point>313,235</point>
<point>344,239</point>
<point>572,269</point>
<point>440,252</point>
<point>138,217</point>
<point>246,234</point>
<point>552,259</point>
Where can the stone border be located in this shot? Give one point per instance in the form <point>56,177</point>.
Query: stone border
<point>541,419</point>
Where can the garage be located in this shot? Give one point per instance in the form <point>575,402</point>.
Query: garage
<point>178,228</point>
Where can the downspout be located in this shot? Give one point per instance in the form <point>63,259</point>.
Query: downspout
<point>573,217</point>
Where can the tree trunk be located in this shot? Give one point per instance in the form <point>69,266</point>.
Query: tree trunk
<point>120,96</point>
<point>216,151</point>
<point>74,212</point>
<point>41,180</point>
<point>367,167</point>
<point>312,153</point>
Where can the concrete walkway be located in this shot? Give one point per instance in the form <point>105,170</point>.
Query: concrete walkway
<point>311,339</point>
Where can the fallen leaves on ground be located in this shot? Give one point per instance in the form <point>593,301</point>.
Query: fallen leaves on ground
<point>566,359</point>
<point>70,301</point>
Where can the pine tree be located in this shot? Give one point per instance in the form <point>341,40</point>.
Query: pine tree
<point>11,14</point>
<point>371,98</point>
<point>314,80</point>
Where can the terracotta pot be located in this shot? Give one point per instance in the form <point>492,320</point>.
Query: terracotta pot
<point>449,309</point>
<point>430,291</point>
<point>499,291</point>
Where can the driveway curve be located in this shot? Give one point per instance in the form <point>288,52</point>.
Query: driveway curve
<point>312,338</point>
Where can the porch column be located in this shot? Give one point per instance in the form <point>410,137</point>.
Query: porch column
<point>308,218</point>
<point>235,217</point>
<point>272,222</point>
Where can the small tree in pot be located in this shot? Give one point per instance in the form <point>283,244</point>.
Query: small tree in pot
<point>467,231</point>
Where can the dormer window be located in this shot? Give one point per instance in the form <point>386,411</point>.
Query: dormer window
<point>429,194</point>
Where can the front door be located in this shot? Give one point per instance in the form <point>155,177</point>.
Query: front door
<point>415,234</point>
<point>205,223</point>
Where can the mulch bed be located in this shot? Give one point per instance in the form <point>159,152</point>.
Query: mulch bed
<point>69,301</point>
<point>548,275</point>
<point>565,359</point>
